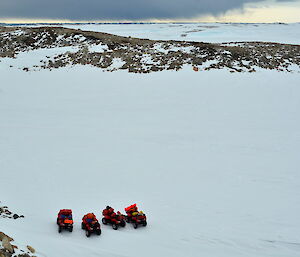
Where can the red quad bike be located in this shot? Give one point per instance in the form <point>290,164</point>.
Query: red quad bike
<point>135,217</point>
<point>65,220</point>
<point>115,219</point>
<point>90,224</point>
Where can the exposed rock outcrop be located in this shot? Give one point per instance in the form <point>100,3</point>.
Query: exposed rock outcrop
<point>31,249</point>
<point>8,250</point>
<point>2,235</point>
<point>6,213</point>
<point>7,245</point>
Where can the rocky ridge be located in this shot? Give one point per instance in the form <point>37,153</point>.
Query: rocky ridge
<point>110,52</point>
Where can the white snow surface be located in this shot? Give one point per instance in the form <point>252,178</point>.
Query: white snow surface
<point>203,32</point>
<point>211,157</point>
<point>98,48</point>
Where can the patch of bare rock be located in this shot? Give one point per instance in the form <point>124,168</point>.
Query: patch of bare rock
<point>8,249</point>
<point>6,213</point>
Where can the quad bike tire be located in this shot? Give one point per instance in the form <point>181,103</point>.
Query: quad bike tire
<point>98,232</point>
<point>135,225</point>
<point>104,221</point>
<point>145,223</point>
<point>70,229</point>
<point>59,229</point>
<point>87,233</point>
<point>123,223</point>
<point>82,225</point>
<point>114,226</point>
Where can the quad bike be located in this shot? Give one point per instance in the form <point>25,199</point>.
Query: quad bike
<point>135,217</point>
<point>139,219</point>
<point>65,220</point>
<point>90,226</point>
<point>116,220</point>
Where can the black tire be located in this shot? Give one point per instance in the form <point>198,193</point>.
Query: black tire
<point>122,223</point>
<point>104,221</point>
<point>127,219</point>
<point>70,229</point>
<point>135,225</point>
<point>57,221</point>
<point>114,226</point>
<point>98,232</point>
<point>145,223</point>
<point>59,229</point>
<point>87,233</point>
<point>82,225</point>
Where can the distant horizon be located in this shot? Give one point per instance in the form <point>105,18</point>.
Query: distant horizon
<point>142,22</point>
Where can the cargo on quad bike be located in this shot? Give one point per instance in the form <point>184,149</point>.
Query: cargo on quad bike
<point>135,217</point>
<point>90,224</point>
<point>115,219</point>
<point>65,220</point>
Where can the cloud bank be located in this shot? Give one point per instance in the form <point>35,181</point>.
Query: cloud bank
<point>116,9</point>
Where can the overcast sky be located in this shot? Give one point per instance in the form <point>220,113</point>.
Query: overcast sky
<point>97,10</point>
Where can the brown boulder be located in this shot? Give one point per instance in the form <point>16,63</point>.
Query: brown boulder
<point>3,253</point>
<point>31,249</point>
<point>2,235</point>
<point>7,246</point>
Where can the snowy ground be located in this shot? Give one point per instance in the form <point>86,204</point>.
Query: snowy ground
<point>204,32</point>
<point>288,33</point>
<point>214,165</point>
<point>211,157</point>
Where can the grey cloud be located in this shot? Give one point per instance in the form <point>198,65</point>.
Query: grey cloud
<point>115,9</point>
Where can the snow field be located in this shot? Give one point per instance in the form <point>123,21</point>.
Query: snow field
<point>203,32</point>
<point>210,157</point>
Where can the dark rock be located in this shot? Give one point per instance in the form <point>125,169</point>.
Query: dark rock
<point>4,253</point>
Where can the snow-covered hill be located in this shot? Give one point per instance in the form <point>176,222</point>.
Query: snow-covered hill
<point>211,158</point>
